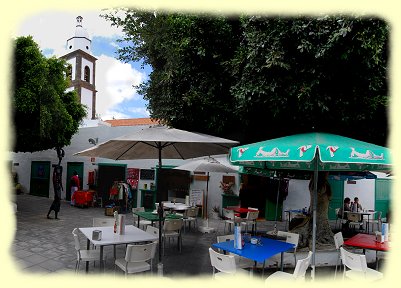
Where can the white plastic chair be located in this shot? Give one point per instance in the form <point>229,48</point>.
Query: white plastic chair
<point>339,242</point>
<point>292,238</point>
<point>358,268</point>
<point>250,219</point>
<point>230,219</point>
<point>337,210</point>
<point>142,222</point>
<point>355,220</point>
<point>377,221</point>
<point>84,255</point>
<point>241,262</point>
<point>103,222</point>
<point>172,229</point>
<point>138,258</point>
<point>152,230</point>
<point>224,264</point>
<point>297,275</point>
<point>190,215</point>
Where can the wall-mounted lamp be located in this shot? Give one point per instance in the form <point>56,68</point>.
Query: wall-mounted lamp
<point>93,141</point>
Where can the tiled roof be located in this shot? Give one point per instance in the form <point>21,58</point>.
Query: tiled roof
<point>131,122</point>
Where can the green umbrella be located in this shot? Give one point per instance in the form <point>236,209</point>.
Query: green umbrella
<point>313,152</point>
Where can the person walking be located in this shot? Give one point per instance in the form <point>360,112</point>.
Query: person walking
<point>74,183</point>
<point>57,185</point>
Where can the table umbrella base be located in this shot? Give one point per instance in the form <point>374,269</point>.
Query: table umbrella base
<point>206,229</point>
<point>160,269</point>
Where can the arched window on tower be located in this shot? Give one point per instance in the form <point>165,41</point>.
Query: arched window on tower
<point>87,74</point>
<point>69,72</point>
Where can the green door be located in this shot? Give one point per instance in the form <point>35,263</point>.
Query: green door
<point>40,178</point>
<point>337,197</point>
<point>71,167</point>
<point>382,195</point>
<point>270,211</point>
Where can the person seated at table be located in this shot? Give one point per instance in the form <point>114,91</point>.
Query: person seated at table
<point>356,206</point>
<point>346,207</point>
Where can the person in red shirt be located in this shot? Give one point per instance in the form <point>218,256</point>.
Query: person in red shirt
<point>74,183</point>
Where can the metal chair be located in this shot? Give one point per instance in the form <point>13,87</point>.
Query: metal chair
<point>358,268</point>
<point>138,258</point>
<point>298,274</point>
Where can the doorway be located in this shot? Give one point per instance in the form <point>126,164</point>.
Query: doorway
<point>40,178</point>
<point>108,173</point>
<point>71,167</point>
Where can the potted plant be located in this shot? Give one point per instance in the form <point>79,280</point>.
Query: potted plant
<point>215,213</point>
<point>227,187</point>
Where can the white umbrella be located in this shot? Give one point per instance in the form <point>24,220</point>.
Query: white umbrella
<point>207,164</point>
<point>158,142</point>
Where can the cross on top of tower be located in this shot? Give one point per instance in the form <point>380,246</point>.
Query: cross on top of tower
<point>79,21</point>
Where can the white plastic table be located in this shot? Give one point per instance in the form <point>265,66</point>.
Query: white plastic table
<point>363,213</point>
<point>132,235</point>
<point>175,206</point>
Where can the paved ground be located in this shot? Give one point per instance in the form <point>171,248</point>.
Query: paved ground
<point>46,246</point>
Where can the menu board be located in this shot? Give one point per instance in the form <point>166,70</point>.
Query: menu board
<point>147,174</point>
<point>196,197</point>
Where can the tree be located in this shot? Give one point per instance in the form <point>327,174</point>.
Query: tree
<point>45,115</point>
<point>324,235</point>
<point>232,75</point>
<point>254,78</point>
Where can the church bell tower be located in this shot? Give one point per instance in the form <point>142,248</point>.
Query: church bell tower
<point>82,65</point>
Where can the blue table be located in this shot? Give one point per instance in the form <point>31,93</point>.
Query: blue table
<point>256,252</point>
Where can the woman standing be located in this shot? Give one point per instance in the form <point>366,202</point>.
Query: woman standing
<point>74,183</point>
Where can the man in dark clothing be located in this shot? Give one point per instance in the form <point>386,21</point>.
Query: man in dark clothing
<point>57,184</point>
<point>57,172</point>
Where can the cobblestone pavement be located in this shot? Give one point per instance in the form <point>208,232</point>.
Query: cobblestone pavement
<point>46,246</point>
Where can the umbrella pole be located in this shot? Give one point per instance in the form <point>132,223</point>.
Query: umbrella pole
<point>314,214</point>
<point>206,229</point>
<point>278,194</point>
<point>160,212</point>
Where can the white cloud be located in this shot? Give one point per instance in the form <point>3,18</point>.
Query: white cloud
<point>114,82</point>
<point>140,111</point>
<point>51,29</point>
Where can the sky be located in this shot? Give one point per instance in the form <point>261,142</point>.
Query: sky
<point>116,96</point>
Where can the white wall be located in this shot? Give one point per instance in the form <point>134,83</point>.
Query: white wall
<point>86,99</point>
<point>364,189</point>
<point>298,195</point>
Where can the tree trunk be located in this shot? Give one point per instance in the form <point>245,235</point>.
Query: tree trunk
<point>324,235</point>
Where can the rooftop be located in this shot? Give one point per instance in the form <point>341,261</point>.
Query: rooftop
<point>131,122</point>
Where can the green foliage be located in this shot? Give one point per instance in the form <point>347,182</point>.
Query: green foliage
<point>45,116</point>
<point>254,78</point>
